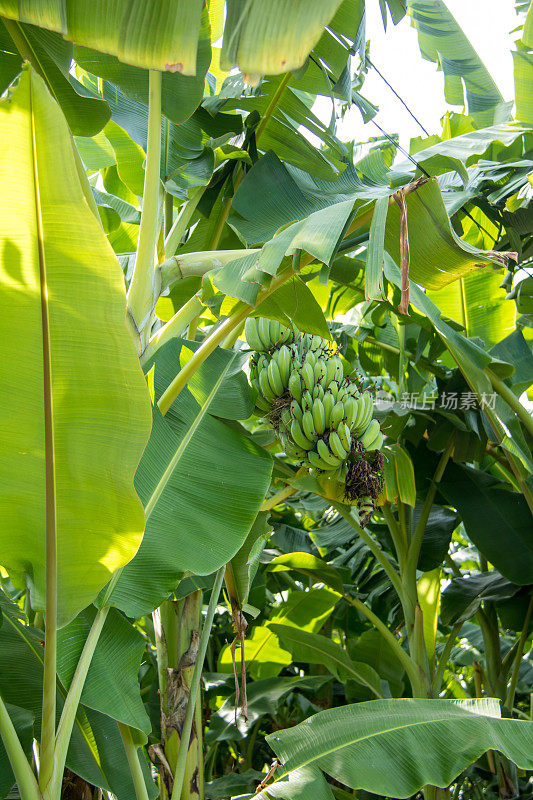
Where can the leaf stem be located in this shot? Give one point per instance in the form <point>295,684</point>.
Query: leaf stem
<point>512,400</point>
<point>181,761</point>
<point>416,542</point>
<point>174,327</point>
<point>509,701</point>
<point>205,350</point>
<point>48,727</point>
<point>378,554</point>
<point>188,265</point>
<point>272,105</point>
<point>450,641</point>
<point>400,544</point>
<point>412,670</point>
<point>141,293</point>
<point>230,340</point>
<point>72,700</point>
<point>141,791</point>
<point>279,497</point>
<point>180,224</point>
<point>26,782</point>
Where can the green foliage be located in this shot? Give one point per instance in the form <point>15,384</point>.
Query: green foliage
<point>394,746</point>
<point>352,647</point>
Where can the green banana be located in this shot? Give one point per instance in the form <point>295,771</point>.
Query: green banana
<point>274,328</point>
<point>310,358</point>
<point>337,415</point>
<point>325,454</point>
<point>286,335</point>
<point>274,378</point>
<point>296,452</point>
<point>331,370</point>
<point>296,410</point>
<point>328,402</point>
<point>295,386</point>
<point>353,390</point>
<point>252,334</point>
<point>263,329</point>
<point>308,425</point>
<point>335,445</point>
<point>359,413</point>
<point>370,434</point>
<point>362,421</point>
<point>376,443</point>
<point>334,389</point>
<point>350,410</point>
<point>262,362</point>
<point>261,403</point>
<point>319,416</point>
<point>264,385</point>
<point>307,401</point>
<point>345,436</point>
<point>321,372</point>
<point>283,356</point>
<point>299,437</point>
<point>316,462</point>
<point>308,375</point>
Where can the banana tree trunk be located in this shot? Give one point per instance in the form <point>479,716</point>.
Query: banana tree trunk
<point>177,653</point>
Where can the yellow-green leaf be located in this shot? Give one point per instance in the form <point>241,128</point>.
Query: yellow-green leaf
<point>162,34</point>
<point>75,411</point>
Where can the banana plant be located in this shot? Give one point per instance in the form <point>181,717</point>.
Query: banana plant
<point>164,214</point>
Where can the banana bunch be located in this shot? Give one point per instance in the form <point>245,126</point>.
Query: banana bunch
<point>322,418</point>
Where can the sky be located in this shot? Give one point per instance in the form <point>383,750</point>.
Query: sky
<point>488,25</point>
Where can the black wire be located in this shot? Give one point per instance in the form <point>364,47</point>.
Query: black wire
<point>401,149</point>
<point>395,93</point>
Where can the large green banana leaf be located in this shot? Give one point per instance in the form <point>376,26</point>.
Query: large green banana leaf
<point>275,37</point>
<point>437,255</point>
<point>262,38</point>
<point>202,483</point>
<point>112,684</point>
<point>443,42</point>
<point>75,410</point>
<point>161,35</point>
<point>85,115</point>
<point>181,93</point>
<point>96,752</point>
<point>395,747</point>
<point>477,302</point>
<point>463,596</point>
<point>492,515</point>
